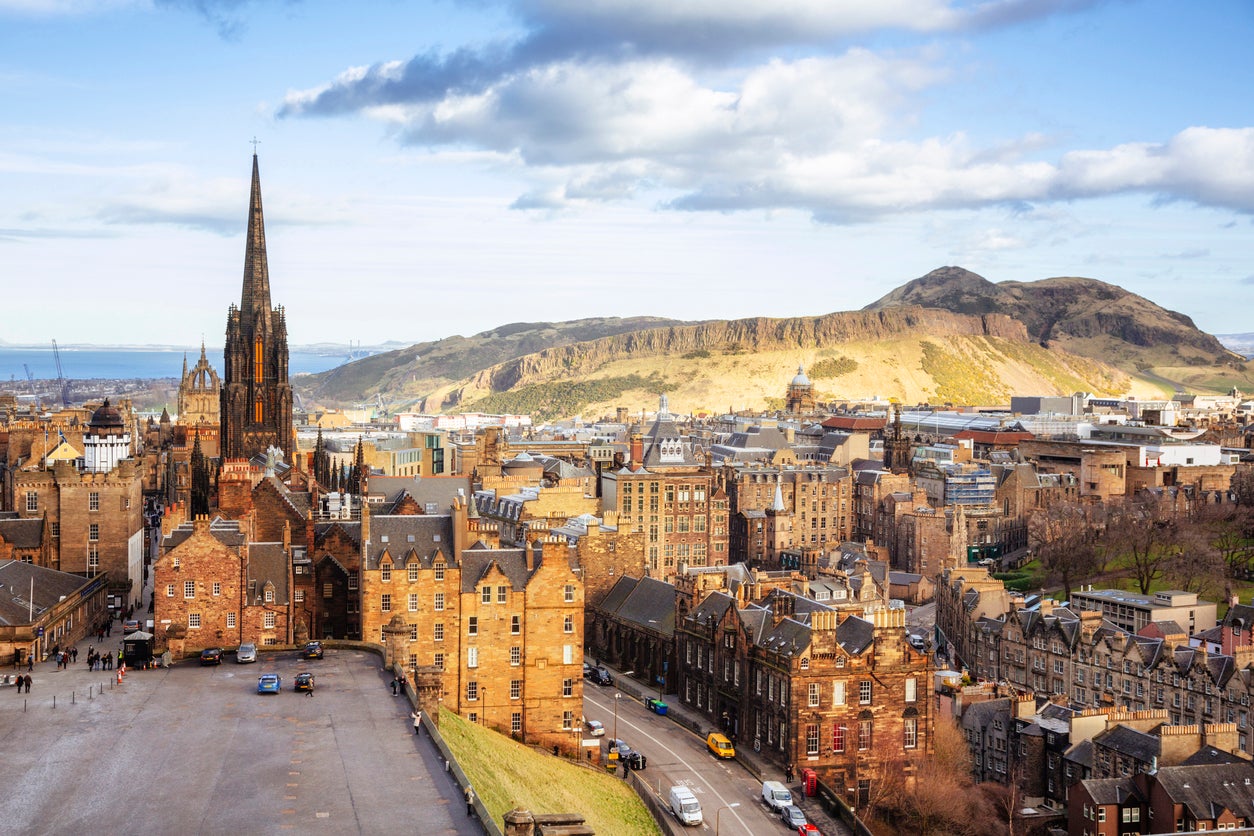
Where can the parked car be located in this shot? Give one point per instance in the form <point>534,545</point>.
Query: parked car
<point>595,729</point>
<point>684,805</point>
<point>775,795</point>
<point>808,829</point>
<point>246,653</point>
<point>269,683</point>
<point>720,746</point>
<point>304,681</point>
<point>600,676</point>
<point>313,650</point>
<point>621,747</point>
<point>211,656</point>
<point>792,816</point>
<point>634,760</point>
<point>130,626</point>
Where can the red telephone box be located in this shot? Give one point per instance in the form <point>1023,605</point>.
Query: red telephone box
<point>809,781</point>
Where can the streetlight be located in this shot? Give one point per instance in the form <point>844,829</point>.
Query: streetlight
<point>718,813</point>
<point>616,697</point>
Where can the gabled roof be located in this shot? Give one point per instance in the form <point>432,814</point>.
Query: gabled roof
<point>1128,741</point>
<point>22,533</point>
<point>424,534</point>
<point>267,563</point>
<point>325,530</point>
<point>478,563</point>
<point>17,581</point>
<point>855,635</point>
<point>650,604</point>
<point>1116,791</point>
<point>1209,789</point>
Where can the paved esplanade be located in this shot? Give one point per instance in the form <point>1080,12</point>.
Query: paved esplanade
<point>198,750</point>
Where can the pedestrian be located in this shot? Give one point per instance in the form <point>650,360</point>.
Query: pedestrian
<point>470,801</point>
<point>788,774</point>
<point>18,683</point>
<point>27,680</point>
<point>30,661</point>
<point>74,654</point>
<point>417,718</point>
<point>395,682</point>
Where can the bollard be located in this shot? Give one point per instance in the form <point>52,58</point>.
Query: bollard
<point>54,700</point>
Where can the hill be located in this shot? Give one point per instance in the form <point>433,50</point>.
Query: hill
<point>950,336</point>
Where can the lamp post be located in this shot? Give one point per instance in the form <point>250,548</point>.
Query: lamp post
<point>718,815</point>
<point>616,697</point>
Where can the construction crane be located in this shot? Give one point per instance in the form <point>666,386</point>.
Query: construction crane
<point>34,394</point>
<point>61,381</point>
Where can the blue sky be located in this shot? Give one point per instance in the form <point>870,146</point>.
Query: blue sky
<point>436,168</point>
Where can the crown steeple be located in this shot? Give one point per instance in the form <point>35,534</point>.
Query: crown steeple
<point>255,299</point>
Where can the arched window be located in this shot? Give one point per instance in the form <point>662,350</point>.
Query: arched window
<point>259,364</point>
<point>258,412</point>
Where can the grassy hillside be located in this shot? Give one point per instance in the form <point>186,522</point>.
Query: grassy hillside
<point>506,774</point>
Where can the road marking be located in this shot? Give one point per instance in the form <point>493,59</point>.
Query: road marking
<point>722,801</point>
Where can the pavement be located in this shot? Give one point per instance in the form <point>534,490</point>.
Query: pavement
<point>760,767</point>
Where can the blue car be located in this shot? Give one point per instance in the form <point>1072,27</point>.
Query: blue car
<point>269,683</point>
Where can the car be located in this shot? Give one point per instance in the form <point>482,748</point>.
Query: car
<point>313,650</point>
<point>269,683</point>
<point>211,656</point>
<point>246,653</point>
<point>600,676</point>
<point>792,816</point>
<point>130,626</point>
<point>808,829</point>
<point>620,746</point>
<point>720,746</point>
<point>634,760</point>
<point>586,669</point>
<point>595,729</point>
<point>304,681</point>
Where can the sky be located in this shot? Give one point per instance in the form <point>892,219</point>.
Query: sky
<point>439,168</point>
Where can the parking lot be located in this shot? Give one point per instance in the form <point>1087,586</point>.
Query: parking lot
<point>198,750</point>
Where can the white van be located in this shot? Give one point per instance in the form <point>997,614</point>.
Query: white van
<point>776,795</point>
<point>685,805</point>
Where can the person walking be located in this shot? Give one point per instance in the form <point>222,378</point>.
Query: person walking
<point>30,661</point>
<point>395,683</point>
<point>788,774</point>
<point>470,801</point>
<point>27,680</point>
<point>417,718</point>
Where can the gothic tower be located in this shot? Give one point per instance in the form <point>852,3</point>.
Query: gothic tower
<point>256,409</point>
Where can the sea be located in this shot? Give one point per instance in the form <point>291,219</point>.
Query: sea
<point>86,362</point>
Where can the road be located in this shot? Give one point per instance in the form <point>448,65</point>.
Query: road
<point>677,756</point>
<point>198,750</point>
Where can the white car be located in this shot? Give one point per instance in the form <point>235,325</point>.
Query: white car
<point>595,728</point>
<point>246,653</point>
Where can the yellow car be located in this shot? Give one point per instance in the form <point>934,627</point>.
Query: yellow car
<point>720,746</point>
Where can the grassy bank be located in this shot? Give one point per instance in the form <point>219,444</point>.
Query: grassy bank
<point>506,774</point>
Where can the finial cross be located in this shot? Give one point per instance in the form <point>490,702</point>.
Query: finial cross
<point>255,143</point>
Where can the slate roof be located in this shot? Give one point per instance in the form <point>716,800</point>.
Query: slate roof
<point>855,635</point>
<point>1210,789</point>
<point>788,637</point>
<point>1128,741</point>
<point>323,530</point>
<point>226,532</point>
<point>1210,755</point>
<point>267,563</point>
<point>478,562</point>
<point>980,715</point>
<point>50,586</point>
<point>441,490</point>
<point>424,535</point>
<point>1081,753</point>
<point>1116,791</point>
<point>714,607</point>
<point>651,604</point>
<point>22,533</point>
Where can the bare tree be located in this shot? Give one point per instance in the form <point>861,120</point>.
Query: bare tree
<point>1196,565</point>
<point>1146,533</point>
<point>1065,536</point>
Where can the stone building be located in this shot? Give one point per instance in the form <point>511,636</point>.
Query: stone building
<point>776,508</point>
<point>799,398</point>
<point>256,397</point>
<point>45,609</point>
<point>222,589</point>
<point>505,625</point>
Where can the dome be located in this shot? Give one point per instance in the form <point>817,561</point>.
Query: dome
<point>106,416</point>
<point>801,379</point>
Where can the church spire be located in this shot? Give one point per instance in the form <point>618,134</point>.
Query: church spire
<point>256,294</point>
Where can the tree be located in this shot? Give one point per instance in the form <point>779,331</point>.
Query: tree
<point>1064,537</point>
<point>1146,533</point>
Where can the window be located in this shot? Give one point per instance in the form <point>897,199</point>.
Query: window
<point>189,589</point>
<point>93,531</point>
<point>93,558</point>
<point>910,731</point>
<point>385,573</point>
<point>193,620</point>
<point>568,593</point>
<point>515,689</point>
<point>911,689</point>
<point>814,701</point>
<point>439,602</point>
<point>568,624</point>
<point>568,720</point>
<point>864,692</point>
<point>838,693</point>
<point>56,532</point>
<point>438,661</point>
<point>1131,815</point>
<point>864,735</point>
<point>472,657</point>
<point>812,738</point>
<point>515,625</point>
<point>472,691</point>
<point>217,588</point>
<point>515,655</point>
<point>230,621</point>
<point>413,637</point>
<point>472,625</point>
<point>413,602</point>
<point>385,602</point>
<point>485,595</point>
<point>438,631</point>
<point>269,595</point>
<point>413,572</point>
<point>568,654</point>
<point>1101,814</point>
<point>352,580</point>
<point>439,571</point>
<point>169,590</point>
<point>838,737</point>
<point>502,594</point>
<point>568,687</point>
<point>93,501</point>
<point>270,620</point>
<point>32,502</point>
